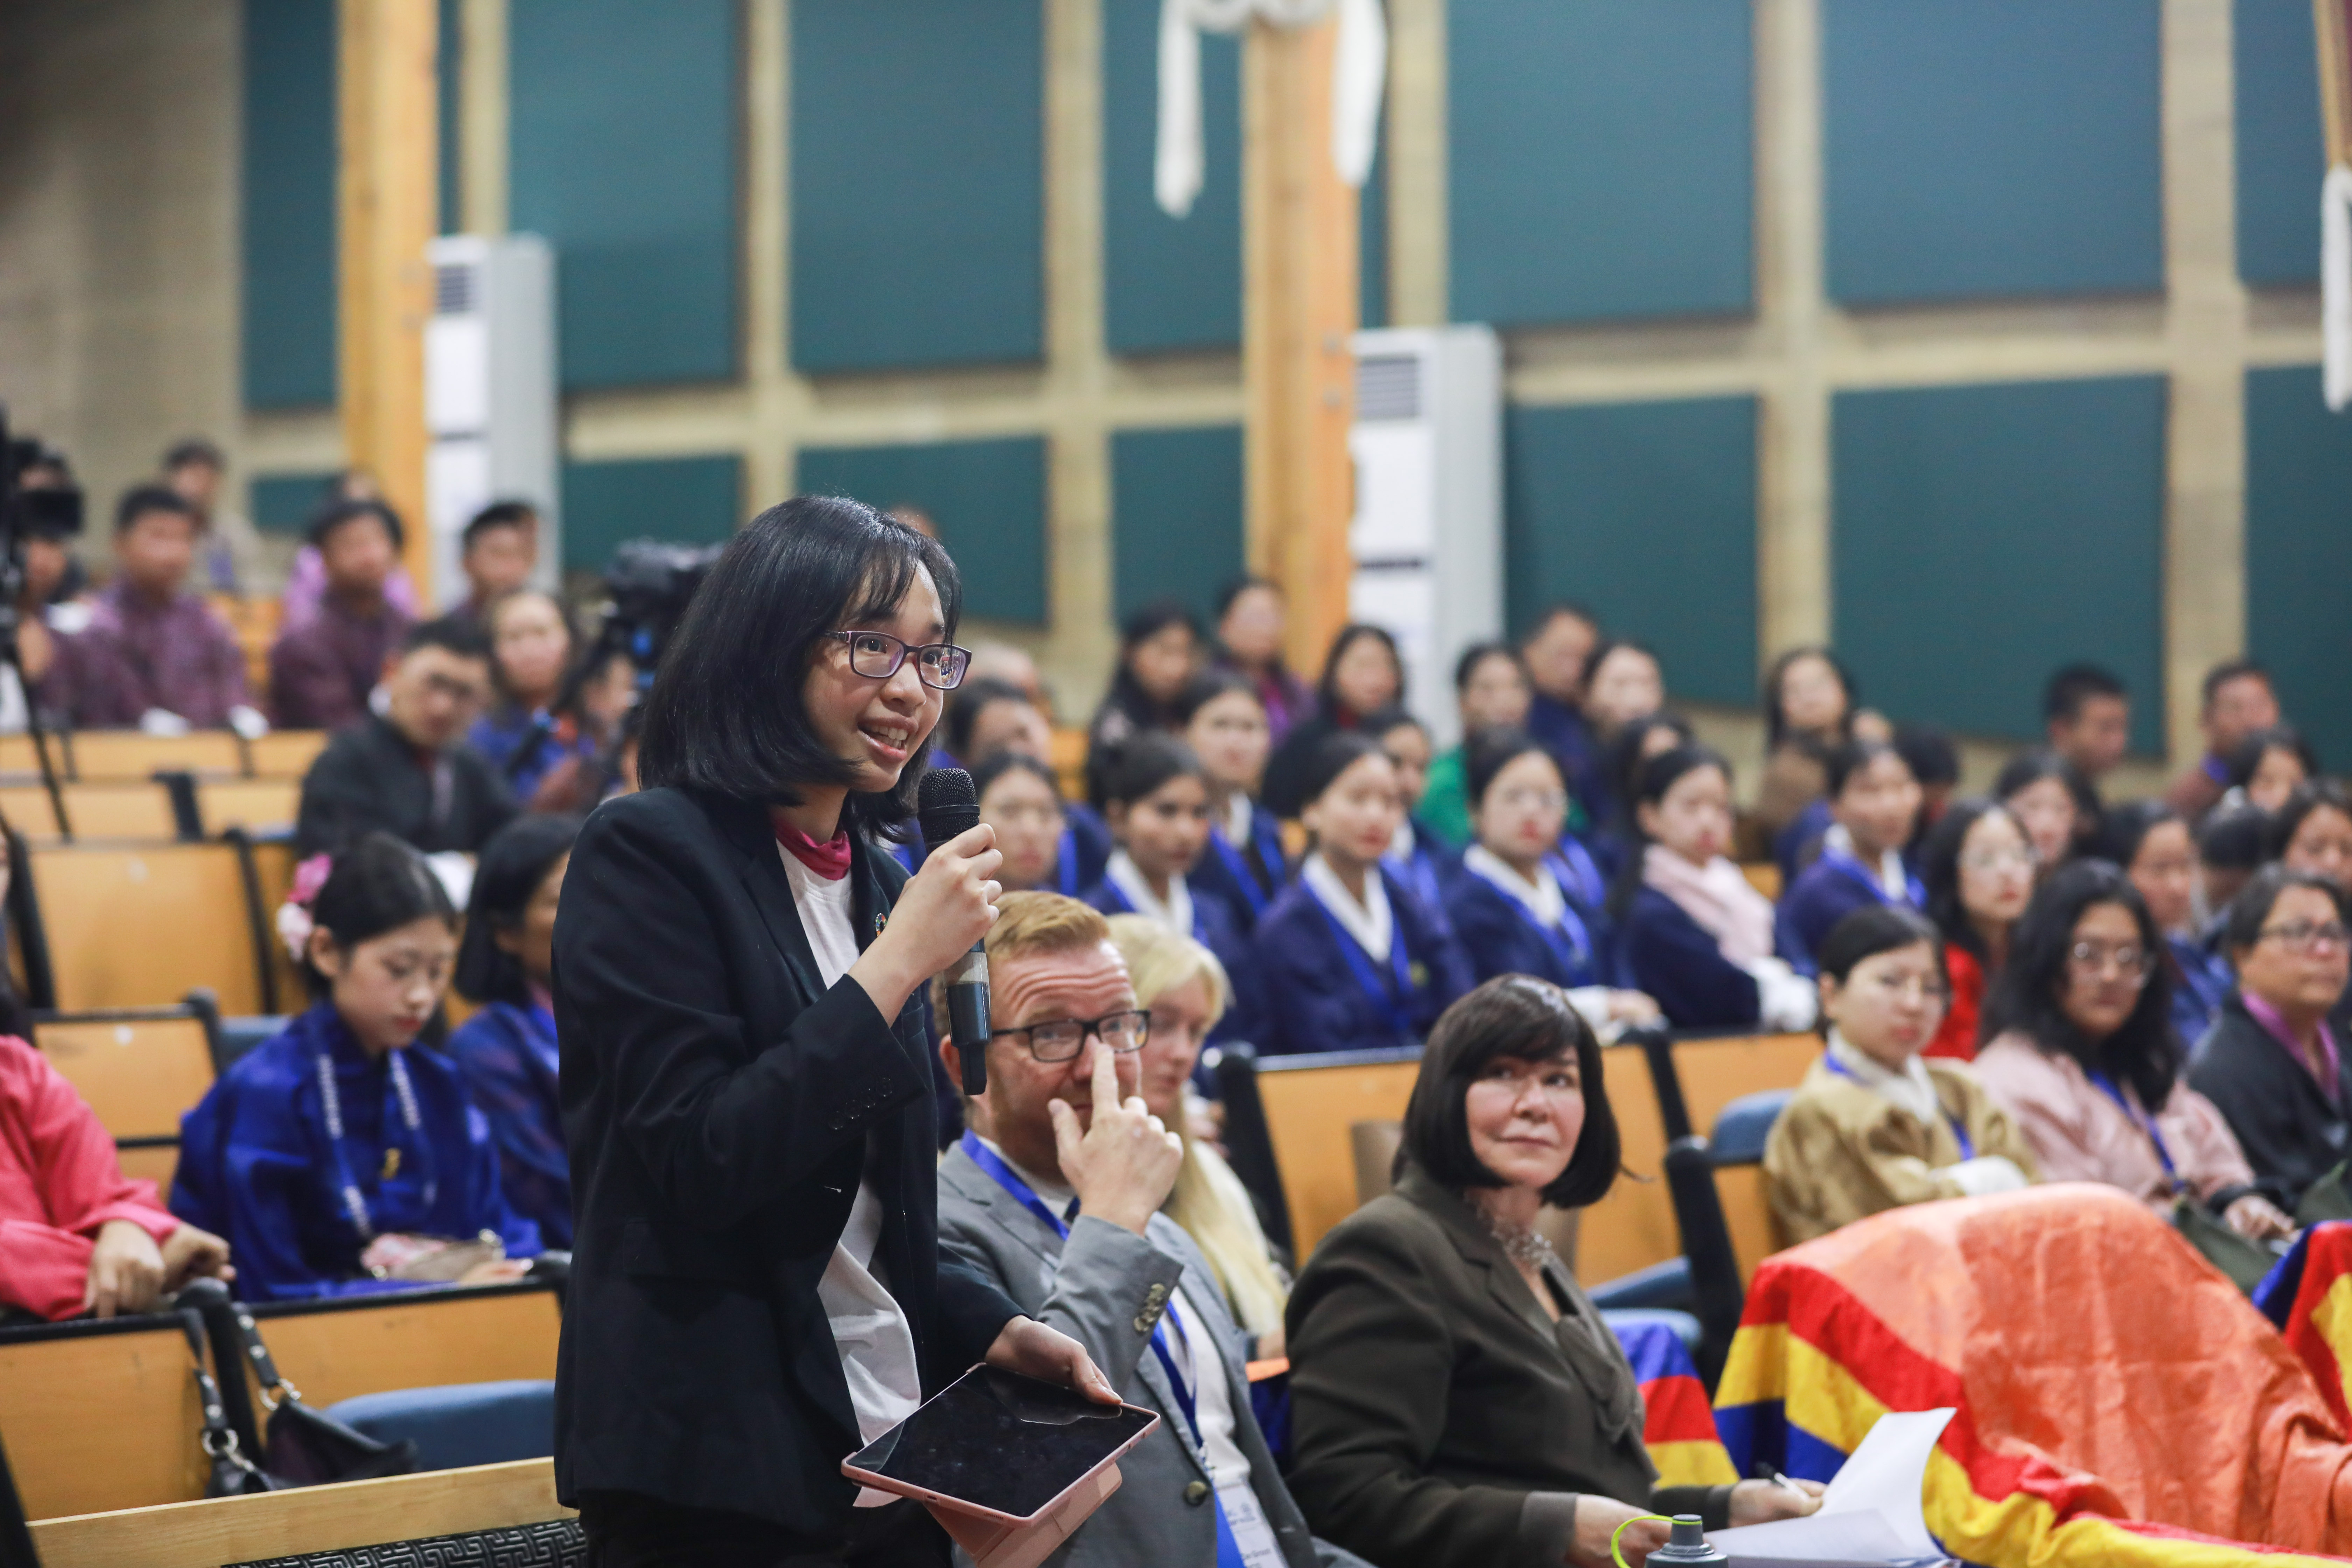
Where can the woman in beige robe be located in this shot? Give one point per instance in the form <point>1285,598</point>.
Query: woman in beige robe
<point>1876,1126</point>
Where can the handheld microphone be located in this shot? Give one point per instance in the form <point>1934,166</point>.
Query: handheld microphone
<point>946,805</point>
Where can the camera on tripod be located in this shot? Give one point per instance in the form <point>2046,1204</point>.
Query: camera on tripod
<point>651,583</point>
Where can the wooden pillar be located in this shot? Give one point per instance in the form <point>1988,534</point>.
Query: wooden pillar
<point>387,207</point>
<point>1299,283</point>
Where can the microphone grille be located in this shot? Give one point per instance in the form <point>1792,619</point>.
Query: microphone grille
<point>945,805</point>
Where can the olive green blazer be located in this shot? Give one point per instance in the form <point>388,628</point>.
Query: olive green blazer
<point>1438,1418</point>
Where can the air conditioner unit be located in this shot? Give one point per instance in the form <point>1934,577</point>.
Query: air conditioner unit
<point>490,395</point>
<point>1427,535</point>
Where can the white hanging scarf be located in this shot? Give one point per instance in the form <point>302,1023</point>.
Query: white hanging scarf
<point>1359,65</point>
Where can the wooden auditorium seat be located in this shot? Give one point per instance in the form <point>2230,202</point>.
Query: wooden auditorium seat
<point>1633,1226</point>
<point>1711,1071</point>
<point>1764,876</point>
<point>101,1415</point>
<point>129,757</point>
<point>1312,1102</point>
<point>254,804</point>
<point>1067,753</point>
<point>140,1069</point>
<point>468,1504</point>
<point>142,925</point>
<point>284,754</point>
<point>115,809</point>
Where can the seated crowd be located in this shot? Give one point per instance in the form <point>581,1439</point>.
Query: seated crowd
<point>2033,985</point>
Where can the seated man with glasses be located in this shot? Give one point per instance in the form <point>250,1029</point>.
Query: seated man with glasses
<point>1053,1195</point>
<point>405,770</point>
<point>2271,1062</point>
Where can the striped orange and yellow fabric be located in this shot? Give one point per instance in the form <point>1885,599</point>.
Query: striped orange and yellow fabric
<point>2119,1401</point>
<point>1678,1427</point>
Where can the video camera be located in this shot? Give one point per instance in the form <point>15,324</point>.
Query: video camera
<point>651,583</point>
<point>37,495</point>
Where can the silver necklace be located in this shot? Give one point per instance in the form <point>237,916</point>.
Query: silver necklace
<point>1526,1246</point>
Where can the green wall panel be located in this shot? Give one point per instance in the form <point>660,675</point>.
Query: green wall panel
<point>1372,241</point>
<point>1985,535</point>
<point>1600,499</point>
<point>2279,161</point>
<point>987,498</point>
<point>918,183</point>
<point>1991,147</point>
<point>2299,552</point>
<point>284,503</point>
<point>1168,283</point>
<point>1176,516</point>
<point>288,221</point>
<point>682,501</point>
<point>1602,159</point>
<point>622,132</point>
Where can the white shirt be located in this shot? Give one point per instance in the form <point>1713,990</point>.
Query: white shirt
<point>1237,820</point>
<point>1175,911</point>
<point>869,1327</point>
<point>1370,923</point>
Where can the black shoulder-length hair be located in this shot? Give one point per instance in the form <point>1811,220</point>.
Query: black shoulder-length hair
<point>376,884</point>
<point>514,863</point>
<point>1939,869</point>
<point>725,714</point>
<point>2146,1052</point>
<point>1524,1019</point>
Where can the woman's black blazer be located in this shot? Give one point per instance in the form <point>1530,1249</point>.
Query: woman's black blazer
<point>720,1107</point>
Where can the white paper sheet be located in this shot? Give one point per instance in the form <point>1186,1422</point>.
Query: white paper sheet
<point>1871,1514</point>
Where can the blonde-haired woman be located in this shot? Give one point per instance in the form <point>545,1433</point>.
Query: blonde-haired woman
<point>1180,984</point>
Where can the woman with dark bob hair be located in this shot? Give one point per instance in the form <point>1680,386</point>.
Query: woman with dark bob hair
<point>1455,1400</point>
<point>2081,1050</point>
<point>757,1289</point>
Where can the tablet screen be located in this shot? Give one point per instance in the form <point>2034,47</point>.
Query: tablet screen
<point>1002,1441</point>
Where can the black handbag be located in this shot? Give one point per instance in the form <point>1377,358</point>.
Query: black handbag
<point>299,1447</point>
<point>232,1473</point>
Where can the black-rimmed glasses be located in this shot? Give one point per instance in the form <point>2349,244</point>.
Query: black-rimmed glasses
<point>1062,1039</point>
<point>877,655</point>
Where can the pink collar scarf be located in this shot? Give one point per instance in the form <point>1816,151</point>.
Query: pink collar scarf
<point>1718,897</point>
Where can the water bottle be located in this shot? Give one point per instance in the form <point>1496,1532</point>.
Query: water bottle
<point>1687,1544</point>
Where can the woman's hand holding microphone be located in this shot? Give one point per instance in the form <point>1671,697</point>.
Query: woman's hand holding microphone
<point>943,910</point>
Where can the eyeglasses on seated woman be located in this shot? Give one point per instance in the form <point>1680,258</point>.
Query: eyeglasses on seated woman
<point>1457,1400</point>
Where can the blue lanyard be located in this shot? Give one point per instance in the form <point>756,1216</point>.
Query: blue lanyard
<point>1065,864</point>
<point>420,1148</point>
<point>1420,869</point>
<point>1575,868</point>
<point>1847,865</point>
<point>1389,1000</point>
<point>1570,942</point>
<point>1967,1144</point>
<point>1253,892</point>
<point>1005,1176</point>
<point>2141,1120</point>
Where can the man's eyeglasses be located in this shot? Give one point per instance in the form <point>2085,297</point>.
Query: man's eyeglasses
<point>2303,936</point>
<point>1063,1039</point>
<point>877,656</point>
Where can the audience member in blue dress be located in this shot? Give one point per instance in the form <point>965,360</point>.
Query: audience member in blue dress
<point>1157,800</point>
<point>1693,933</point>
<point>1160,646</point>
<point>337,1161</point>
<point>506,1051</point>
<point>1363,675</point>
<point>1021,799</point>
<point>2150,841</point>
<point>1226,725</point>
<point>1809,711</point>
<point>1517,906</point>
<point>1416,856</point>
<point>1875,804</point>
<point>1353,959</point>
<point>522,736</point>
<point>2051,802</point>
<point>1610,842</point>
<point>1556,650</point>
<point>987,716</point>
<point>1621,683</point>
